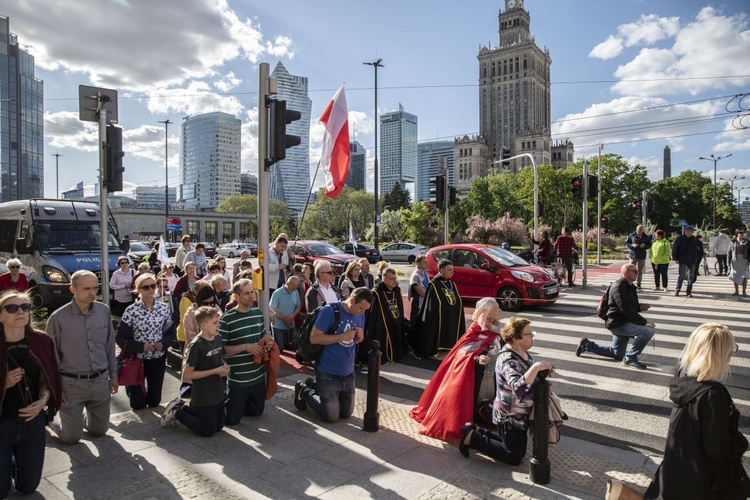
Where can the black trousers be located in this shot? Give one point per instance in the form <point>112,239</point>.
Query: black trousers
<point>723,269</point>
<point>203,420</point>
<point>508,445</point>
<point>153,369</point>
<point>660,273</point>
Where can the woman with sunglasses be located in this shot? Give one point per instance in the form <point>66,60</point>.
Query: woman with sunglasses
<point>122,284</point>
<point>14,279</point>
<point>29,382</point>
<point>147,330</point>
<point>204,296</point>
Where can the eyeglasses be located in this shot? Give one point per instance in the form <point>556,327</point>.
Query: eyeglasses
<point>326,272</point>
<point>208,303</point>
<point>13,308</point>
<point>14,267</point>
<point>736,348</point>
<point>532,334</point>
<point>148,287</point>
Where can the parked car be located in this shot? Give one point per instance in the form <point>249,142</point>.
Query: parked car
<point>172,248</point>
<point>210,249</point>
<point>310,251</point>
<point>489,271</point>
<point>138,252</point>
<point>363,250</point>
<point>233,250</point>
<point>402,252</point>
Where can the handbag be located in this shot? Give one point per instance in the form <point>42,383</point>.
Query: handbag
<point>130,370</point>
<point>556,417</point>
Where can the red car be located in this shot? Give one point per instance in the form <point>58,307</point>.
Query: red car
<point>488,271</point>
<point>310,251</point>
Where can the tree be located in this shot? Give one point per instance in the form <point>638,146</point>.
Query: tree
<point>420,224</point>
<point>398,198</point>
<point>278,211</point>
<point>391,228</point>
<point>329,219</point>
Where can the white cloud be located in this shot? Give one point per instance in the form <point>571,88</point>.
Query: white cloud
<point>194,99</point>
<point>608,49</point>
<point>648,30</point>
<point>654,165</point>
<point>249,138</point>
<point>227,82</point>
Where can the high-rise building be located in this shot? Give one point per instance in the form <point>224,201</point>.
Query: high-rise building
<point>21,121</point>
<point>153,196</point>
<point>562,153</point>
<point>429,154</point>
<point>248,184</point>
<point>357,160</point>
<point>398,149</point>
<point>290,178</point>
<point>667,163</point>
<point>514,90</point>
<point>209,159</point>
<point>471,157</point>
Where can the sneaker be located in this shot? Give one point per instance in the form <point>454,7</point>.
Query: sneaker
<point>657,289</point>
<point>364,370</point>
<point>689,295</point>
<point>169,417</point>
<point>299,401</point>
<point>634,363</point>
<point>582,345</point>
<point>571,284</point>
<point>677,293</point>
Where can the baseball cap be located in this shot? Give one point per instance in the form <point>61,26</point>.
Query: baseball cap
<point>689,228</point>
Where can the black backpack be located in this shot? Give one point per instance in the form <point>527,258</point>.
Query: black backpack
<point>604,305</point>
<point>307,351</point>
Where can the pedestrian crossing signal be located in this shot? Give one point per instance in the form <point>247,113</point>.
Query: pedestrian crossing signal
<point>577,187</point>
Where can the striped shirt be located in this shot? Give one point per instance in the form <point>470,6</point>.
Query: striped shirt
<point>238,328</point>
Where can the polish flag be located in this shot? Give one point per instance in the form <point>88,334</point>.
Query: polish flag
<point>336,154</point>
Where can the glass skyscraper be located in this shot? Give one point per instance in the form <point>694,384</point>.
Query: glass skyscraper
<point>398,149</point>
<point>429,159</point>
<point>290,178</point>
<point>21,121</point>
<point>209,159</point>
<point>357,161</point>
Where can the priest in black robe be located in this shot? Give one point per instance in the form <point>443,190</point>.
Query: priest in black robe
<point>386,319</point>
<point>441,318</point>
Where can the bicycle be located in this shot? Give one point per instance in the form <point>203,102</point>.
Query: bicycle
<point>560,272</point>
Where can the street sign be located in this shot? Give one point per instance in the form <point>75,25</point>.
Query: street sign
<point>377,218</point>
<point>173,224</point>
<point>682,223</point>
<point>88,102</point>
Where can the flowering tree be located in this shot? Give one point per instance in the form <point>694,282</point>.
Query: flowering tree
<point>513,230</point>
<point>480,230</point>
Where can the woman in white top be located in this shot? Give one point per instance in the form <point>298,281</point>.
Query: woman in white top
<point>169,275</point>
<point>122,283</point>
<point>226,273</point>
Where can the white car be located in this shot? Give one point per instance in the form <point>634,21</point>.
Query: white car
<point>402,252</point>
<point>232,250</point>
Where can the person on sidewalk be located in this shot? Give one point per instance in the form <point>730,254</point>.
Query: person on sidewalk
<point>660,254</point>
<point>739,271</point>
<point>198,257</point>
<point>624,321</point>
<point>206,369</point>
<point>516,376</point>
<point>386,321</point>
<point>181,253</point>
<point>685,254</point>
<point>564,246</point>
<point>284,308</point>
<point>14,279</point>
<point>322,292</point>
<point>331,393</point>
<point>638,243</point>
<point>278,264</point>
<point>85,346</point>
<point>721,250</point>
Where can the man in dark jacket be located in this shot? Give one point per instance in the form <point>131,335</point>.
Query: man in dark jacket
<point>685,254</point>
<point>624,321</point>
<point>638,243</point>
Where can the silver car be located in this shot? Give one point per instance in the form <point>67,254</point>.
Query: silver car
<point>232,250</point>
<point>402,252</point>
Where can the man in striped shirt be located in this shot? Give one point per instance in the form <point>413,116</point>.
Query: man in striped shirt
<point>241,329</point>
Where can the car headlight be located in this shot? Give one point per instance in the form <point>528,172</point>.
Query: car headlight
<point>522,276</point>
<point>55,275</point>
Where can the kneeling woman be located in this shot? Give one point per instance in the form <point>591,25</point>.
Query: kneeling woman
<point>515,373</point>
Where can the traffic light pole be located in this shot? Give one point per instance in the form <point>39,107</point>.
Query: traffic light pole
<point>536,188</point>
<point>446,199</point>
<point>263,185</point>
<point>644,208</point>
<point>599,211</point>
<point>584,239</point>
<point>103,223</point>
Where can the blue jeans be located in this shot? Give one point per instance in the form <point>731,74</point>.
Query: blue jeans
<point>21,454</point>
<point>332,397</point>
<point>620,336</point>
<point>282,336</point>
<point>249,401</point>
<point>686,272</point>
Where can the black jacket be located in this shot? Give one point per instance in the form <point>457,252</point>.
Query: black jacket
<point>634,243</point>
<point>685,250</point>
<point>702,458</point>
<point>623,305</point>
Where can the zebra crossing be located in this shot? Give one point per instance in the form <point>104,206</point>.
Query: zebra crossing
<point>611,403</point>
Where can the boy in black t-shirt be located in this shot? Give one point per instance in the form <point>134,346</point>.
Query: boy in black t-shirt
<point>206,368</point>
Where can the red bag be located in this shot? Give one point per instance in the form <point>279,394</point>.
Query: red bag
<point>131,371</point>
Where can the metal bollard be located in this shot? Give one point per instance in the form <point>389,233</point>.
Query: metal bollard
<point>372,417</point>
<point>539,466</point>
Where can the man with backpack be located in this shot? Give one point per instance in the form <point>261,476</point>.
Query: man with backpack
<point>624,320</point>
<point>331,393</point>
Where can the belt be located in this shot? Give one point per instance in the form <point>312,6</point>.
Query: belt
<point>85,377</point>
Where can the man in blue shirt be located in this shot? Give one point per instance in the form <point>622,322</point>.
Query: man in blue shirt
<point>285,306</point>
<point>331,393</point>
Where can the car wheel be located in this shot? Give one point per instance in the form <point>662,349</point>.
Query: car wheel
<point>509,299</point>
<point>411,259</point>
<point>37,300</point>
<point>231,255</point>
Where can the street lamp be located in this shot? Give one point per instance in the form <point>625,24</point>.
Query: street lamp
<point>731,182</point>
<point>376,64</point>
<point>57,172</point>
<point>715,160</point>
<point>166,172</point>
<point>739,198</point>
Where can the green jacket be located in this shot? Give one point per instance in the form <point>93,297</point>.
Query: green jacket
<point>660,251</point>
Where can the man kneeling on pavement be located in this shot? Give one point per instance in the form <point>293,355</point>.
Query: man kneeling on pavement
<point>624,321</point>
<point>331,393</point>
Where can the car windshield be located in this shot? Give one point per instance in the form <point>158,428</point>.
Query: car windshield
<point>138,247</point>
<point>323,249</point>
<point>64,236</point>
<point>504,257</point>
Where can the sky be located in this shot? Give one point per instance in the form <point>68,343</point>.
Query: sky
<point>633,75</point>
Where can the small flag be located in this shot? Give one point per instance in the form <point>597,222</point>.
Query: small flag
<point>352,238</point>
<point>162,255</point>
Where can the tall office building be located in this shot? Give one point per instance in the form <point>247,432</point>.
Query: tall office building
<point>514,90</point>
<point>290,178</point>
<point>398,149</point>
<point>248,184</point>
<point>153,196</point>
<point>357,162</point>
<point>429,154</point>
<point>209,159</point>
<point>21,121</point>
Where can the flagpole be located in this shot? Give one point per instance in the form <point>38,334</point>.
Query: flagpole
<point>304,210</point>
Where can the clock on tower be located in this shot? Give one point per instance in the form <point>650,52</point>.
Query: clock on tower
<point>512,4</point>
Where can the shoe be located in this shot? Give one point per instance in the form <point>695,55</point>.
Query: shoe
<point>299,402</point>
<point>614,489</point>
<point>465,431</point>
<point>634,363</point>
<point>657,289</point>
<point>735,294</point>
<point>639,287</point>
<point>571,284</point>
<point>582,346</point>
<point>169,417</point>
<point>677,293</point>
<point>364,370</point>
<point>689,295</point>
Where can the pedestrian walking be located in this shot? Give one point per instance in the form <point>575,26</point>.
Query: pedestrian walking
<point>721,250</point>
<point>685,255</point>
<point>564,246</point>
<point>639,243</point>
<point>739,272</point>
<point>660,254</point>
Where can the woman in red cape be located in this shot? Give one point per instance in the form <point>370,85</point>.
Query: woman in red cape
<point>447,402</point>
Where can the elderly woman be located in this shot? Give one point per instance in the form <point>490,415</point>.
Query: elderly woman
<point>660,254</point>
<point>704,449</point>
<point>352,279</point>
<point>29,382</point>
<point>515,374</point>
<point>186,281</point>
<point>544,251</point>
<point>449,399</point>
<point>146,331</point>
<point>738,269</point>
<point>122,284</point>
<point>14,279</point>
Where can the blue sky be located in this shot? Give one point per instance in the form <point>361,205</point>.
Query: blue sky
<point>173,58</point>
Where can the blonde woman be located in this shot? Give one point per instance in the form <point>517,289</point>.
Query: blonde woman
<point>352,279</point>
<point>381,266</point>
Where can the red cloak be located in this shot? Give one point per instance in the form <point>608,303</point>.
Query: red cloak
<point>447,402</point>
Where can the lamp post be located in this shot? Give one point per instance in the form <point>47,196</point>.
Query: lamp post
<point>739,198</point>
<point>57,173</point>
<point>376,64</point>
<point>731,182</point>
<point>599,210</point>
<point>166,173</point>
<point>715,160</point>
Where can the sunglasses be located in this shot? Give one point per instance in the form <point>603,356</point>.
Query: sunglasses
<point>208,303</point>
<point>148,287</point>
<point>14,267</point>
<point>13,308</point>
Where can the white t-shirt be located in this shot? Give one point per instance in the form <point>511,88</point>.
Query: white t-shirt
<point>328,293</point>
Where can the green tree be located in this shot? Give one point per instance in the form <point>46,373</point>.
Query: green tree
<point>328,219</point>
<point>621,185</point>
<point>391,228</point>
<point>419,223</point>
<point>398,198</point>
<point>278,211</point>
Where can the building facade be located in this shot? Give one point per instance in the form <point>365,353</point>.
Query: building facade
<point>210,148</point>
<point>153,196</point>
<point>248,184</point>
<point>472,161</point>
<point>290,178</point>
<point>429,155</point>
<point>21,121</point>
<point>357,166</point>
<point>514,90</point>
<point>398,149</point>
<point>562,153</point>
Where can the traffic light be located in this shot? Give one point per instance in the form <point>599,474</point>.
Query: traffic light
<point>638,206</point>
<point>438,191</point>
<point>577,187</point>
<point>113,168</point>
<point>506,155</point>
<point>541,209</point>
<point>279,140</point>
<point>593,187</point>
<point>453,198</point>
<point>649,206</point>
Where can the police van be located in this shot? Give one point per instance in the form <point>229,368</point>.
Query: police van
<point>53,239</point>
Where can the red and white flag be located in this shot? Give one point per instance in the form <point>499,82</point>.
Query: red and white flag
<point>335,156</point>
